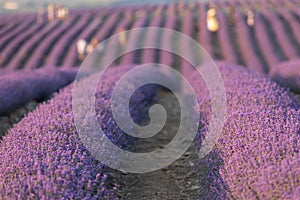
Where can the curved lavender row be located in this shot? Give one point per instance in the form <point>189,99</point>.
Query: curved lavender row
<point>129,58</point>
<point>265,43</point>
<point>44,158</point>
<point>247,49</point>
<point>204,34</point>
<point>71,54</point>
<point>187,29</point>
<point>8,37</point>
<point>30,45</point>
<point>108,26</point>
<point>225,40</point>
<point>9,27</point>
<point>114,45</point>
<point>104,31</point>
<point>287,74</point>
<point>281,36</point>
<point>166,58</point>
<point>13,46</point>
<point>62,45</point>
<point>44,47</point>
<point>17,88</point>
<point>294,24</point>
<point>148,55</point>
<point>6,18</point>
<point>260,137</point>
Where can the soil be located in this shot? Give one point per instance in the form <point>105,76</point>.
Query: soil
<point>180,180</point>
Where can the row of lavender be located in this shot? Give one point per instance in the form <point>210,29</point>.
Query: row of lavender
<point>18,88</point>
<point>44,158</point>
<point>257,155</point>
<point>273,38</point>
<point>34,44</point>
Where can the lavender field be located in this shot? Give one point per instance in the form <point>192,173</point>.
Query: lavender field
<point>255,45</point>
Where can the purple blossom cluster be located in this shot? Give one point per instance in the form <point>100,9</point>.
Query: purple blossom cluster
<point>19,87</point>
<point>44,158</point>
<point>257,155</point>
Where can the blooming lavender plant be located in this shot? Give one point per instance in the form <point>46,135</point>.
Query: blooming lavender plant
<point>17,88</point>
<point>44,158</point>
<point>257,155</point>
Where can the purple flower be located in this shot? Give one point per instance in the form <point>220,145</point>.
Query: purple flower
<point>257,155</point>
<point>19,87</point>
<point>44,158</point>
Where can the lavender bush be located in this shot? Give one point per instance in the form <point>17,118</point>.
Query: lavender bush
<point>257,155</point>
<point>43,157</point>
<point>148,55</point>
<point>291,20</point>
<point>17,88</point>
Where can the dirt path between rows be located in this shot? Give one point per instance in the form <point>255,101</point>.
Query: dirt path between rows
<point>180,180</point>
<point>185,179</point>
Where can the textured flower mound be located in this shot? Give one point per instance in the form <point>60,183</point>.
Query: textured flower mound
<point>287,74</point>
<point>257,156</point>
<point>17,88</point>
<point>43,157</point>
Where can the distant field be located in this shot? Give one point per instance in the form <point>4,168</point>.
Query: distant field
<point>33,5</point>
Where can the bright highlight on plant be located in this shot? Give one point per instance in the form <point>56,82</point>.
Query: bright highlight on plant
<point>250,18</point>
<point>211,20</point>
